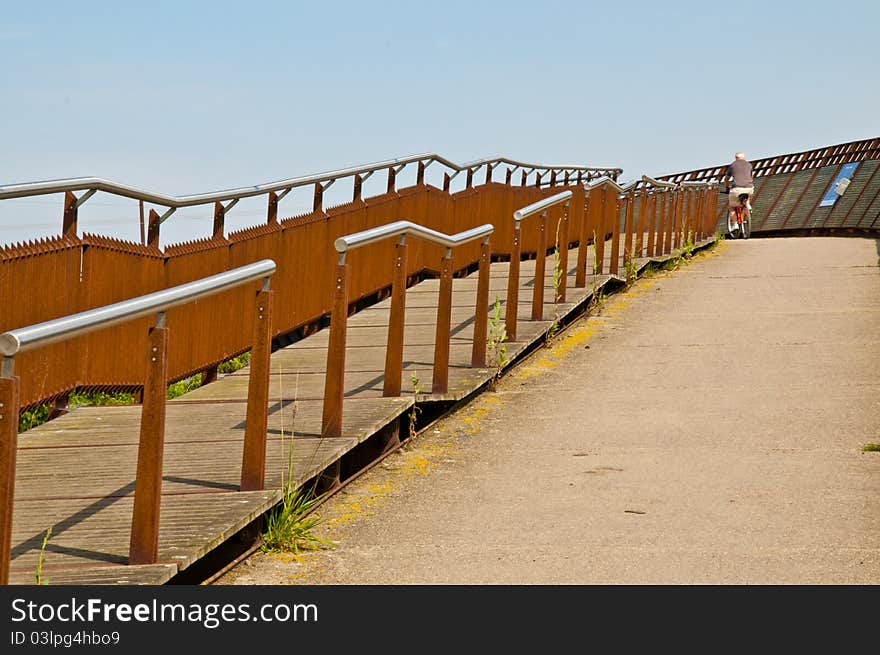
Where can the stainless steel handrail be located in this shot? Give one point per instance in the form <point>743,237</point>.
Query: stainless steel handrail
<point>613,183</point>
<point>540,205</point>
<point>698,184</point>
<point>404,228</point>
<point>100,184</point>
<point>42,334</point>
<point>647,179</point>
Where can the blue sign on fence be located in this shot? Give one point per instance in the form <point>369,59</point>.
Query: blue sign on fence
<point>831,195</point>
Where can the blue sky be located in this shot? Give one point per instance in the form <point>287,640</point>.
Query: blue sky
<point>188,97</point>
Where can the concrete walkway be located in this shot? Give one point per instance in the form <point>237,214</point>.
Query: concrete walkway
<point>706,427</point>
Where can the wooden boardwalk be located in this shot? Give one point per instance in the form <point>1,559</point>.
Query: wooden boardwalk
<point>75,474</point>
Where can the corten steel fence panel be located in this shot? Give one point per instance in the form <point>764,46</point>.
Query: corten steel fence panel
<point>115,270</point>
<point>247,246</point>
<point>40,281</point>
<point>210,330</point>
<point>305,265</point>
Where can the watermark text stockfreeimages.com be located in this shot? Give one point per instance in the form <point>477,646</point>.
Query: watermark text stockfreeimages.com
<point>208,615</point>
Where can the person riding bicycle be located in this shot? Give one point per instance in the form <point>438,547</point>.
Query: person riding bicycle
<point>740,171</point>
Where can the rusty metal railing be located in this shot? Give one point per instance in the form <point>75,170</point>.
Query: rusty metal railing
<point>540,207</point>
<point>668,213</point>
<point>148,483</point>
<point>334,390</point>
<point>277,190</point>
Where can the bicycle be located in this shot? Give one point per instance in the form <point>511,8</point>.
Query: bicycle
<point>743,226</point>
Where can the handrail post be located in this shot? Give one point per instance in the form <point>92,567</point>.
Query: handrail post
<point>481,313</point>
<point>318,198</point>
<point>440,382</point>
<point>562,254</point>
<point>272,211</point>
<point>10,396</point>
<point>540,265</point>
<point>513,283</point>
<point>680,216</point>
<point>358,188</point>
<point>673,217</point>
<point>394,350</point>
<point>580,279</point>
<point>144,544</point>
<point>392,180</point>
<point>69,218</point>
<point>334,384</point>
<point>219,220</point>
<point>628,227</point>
<point>640,226</point>
<point>615,235</point>
<point>153,229</point>
<point>599,233</point>
<point>662,197</point>
<point>651,216</point>
<point>253,458</point>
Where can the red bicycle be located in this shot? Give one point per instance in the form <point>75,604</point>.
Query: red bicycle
<point>742,228</point>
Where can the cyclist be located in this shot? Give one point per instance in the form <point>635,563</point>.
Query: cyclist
<point>740,171</point>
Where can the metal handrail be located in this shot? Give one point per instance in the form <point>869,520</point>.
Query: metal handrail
<point>540,205</point>
<point>173,202</point>
<point>42,334</point>
<point>403,228</point>
<point>613,183</point>
<point>650,181</point>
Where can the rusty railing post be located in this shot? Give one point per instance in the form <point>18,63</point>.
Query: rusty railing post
<point>599,233</point>
<point>513,283</point>
<point>641,223</point>
<point>10,390</point>
<point>470,179</point>
<point>318,198</point>
<point>420,174</point>
<point>334,383</point>
<point>68,220</point>
<point>153,229</point>
<point>358,188</point>
<point>662,198</point>
<point>394,350</point>
<point>615,236</point>
<point>628,227</point>
<point>144,544</point>
<point>272,210</point>
<point>651,216</point>
<point>680,217</point>
<point>481,313</point>
<point>540,266</point>
<point>392,180</point>
<point>219,220</point>
<point>673,217</point>
<point>562,255</point>
<point>580,277</point>
<point>253,458</point>
<point>440,382</point>
<point>447,180</point>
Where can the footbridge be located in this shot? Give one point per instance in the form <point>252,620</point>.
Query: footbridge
<point>352,326</point>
